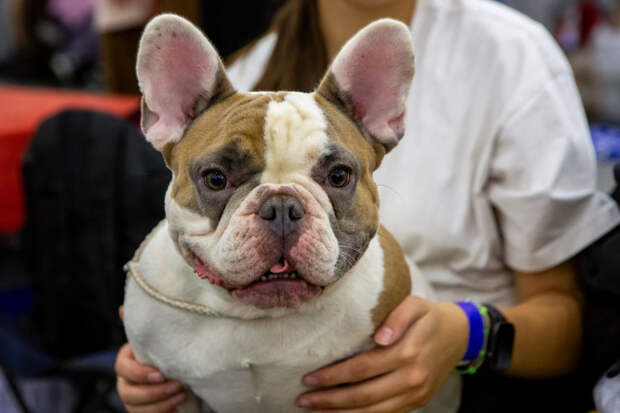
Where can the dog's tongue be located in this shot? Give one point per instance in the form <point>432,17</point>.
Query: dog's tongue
<point>282,267</point>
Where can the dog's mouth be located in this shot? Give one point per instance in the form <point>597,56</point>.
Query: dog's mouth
<point>281,286</point>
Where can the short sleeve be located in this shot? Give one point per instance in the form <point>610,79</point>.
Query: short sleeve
<point>542,180</point>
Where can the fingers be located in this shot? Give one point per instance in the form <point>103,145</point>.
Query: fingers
<point>361,367</point>
<point>121,312</point>
<point>143,388</point>
<point>133,394</point>
<point>128,368</point>
<point>400,403</point>
<point>164,406</point>
<point>400,319</point>
<point>359,395</point>
<point>407,368</point>
<point>379,360</point>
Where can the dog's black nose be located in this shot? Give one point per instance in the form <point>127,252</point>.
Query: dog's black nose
<point>282,212</point>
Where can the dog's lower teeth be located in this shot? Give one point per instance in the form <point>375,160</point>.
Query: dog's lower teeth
<point>272,276</point>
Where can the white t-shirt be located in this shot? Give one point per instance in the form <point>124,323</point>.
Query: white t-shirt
<point>114,15</point>
<point>496,171</point>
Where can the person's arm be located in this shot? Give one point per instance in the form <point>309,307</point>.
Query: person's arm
<point>421,342</point>
<point>547,322</point>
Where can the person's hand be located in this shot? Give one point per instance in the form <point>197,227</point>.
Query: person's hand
<point>142,388</point>
<point>420,343</point>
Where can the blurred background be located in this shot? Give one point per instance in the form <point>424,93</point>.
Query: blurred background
<point>67,78</point>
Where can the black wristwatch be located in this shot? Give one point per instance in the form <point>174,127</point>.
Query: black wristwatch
<point>500,341</point>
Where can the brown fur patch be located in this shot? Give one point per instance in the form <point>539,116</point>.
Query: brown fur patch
<point>397,279</point>
<point>241,117</point>
<point>341,130</point>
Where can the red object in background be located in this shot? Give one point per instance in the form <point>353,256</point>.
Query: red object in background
<point>590,15</point>
<point>22,109</point>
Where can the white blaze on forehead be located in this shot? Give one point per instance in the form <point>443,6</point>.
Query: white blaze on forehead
<point>295,136</point>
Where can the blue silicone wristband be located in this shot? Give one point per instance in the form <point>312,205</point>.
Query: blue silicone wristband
<point>476,330</point>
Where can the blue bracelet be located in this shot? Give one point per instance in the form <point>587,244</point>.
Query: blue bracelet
<point>476,329</point>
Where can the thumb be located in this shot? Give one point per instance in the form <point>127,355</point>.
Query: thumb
<point>410,310</point>
<point>121,312</point>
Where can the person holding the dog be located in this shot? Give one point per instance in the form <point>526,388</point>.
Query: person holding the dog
<point>491,194</point>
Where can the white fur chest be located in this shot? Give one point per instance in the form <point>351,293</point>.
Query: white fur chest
<point>245,359</point>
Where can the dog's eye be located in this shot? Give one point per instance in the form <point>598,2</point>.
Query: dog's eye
<point>214,179</point>
<point>339,176</point>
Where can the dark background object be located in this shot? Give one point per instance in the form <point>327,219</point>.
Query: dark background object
<point>244,21</point>
<point>94,188</point>
<point>599,272</point>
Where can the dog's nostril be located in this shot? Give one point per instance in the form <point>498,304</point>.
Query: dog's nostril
<point>267,211</point>
<point>295,210</point>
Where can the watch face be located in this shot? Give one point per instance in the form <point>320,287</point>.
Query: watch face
<point>504,334</point>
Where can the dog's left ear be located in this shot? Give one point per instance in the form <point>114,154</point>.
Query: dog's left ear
<point>370,80</point>
<point>180,75</point>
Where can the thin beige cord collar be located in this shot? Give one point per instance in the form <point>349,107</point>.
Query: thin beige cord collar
<point>132,271</point>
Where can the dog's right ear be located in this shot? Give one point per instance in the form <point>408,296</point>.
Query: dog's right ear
<point>180,75</point>
<point>370,78</point>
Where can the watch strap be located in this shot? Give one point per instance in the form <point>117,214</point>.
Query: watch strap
<point>501,340</point>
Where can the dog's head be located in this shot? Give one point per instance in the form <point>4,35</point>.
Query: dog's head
<point>272,196</point>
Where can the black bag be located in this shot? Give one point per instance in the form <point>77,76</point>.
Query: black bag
<point>599,272</point>
<point>94,188</point>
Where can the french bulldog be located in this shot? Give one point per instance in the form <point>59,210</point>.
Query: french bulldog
<point>271,261</point>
